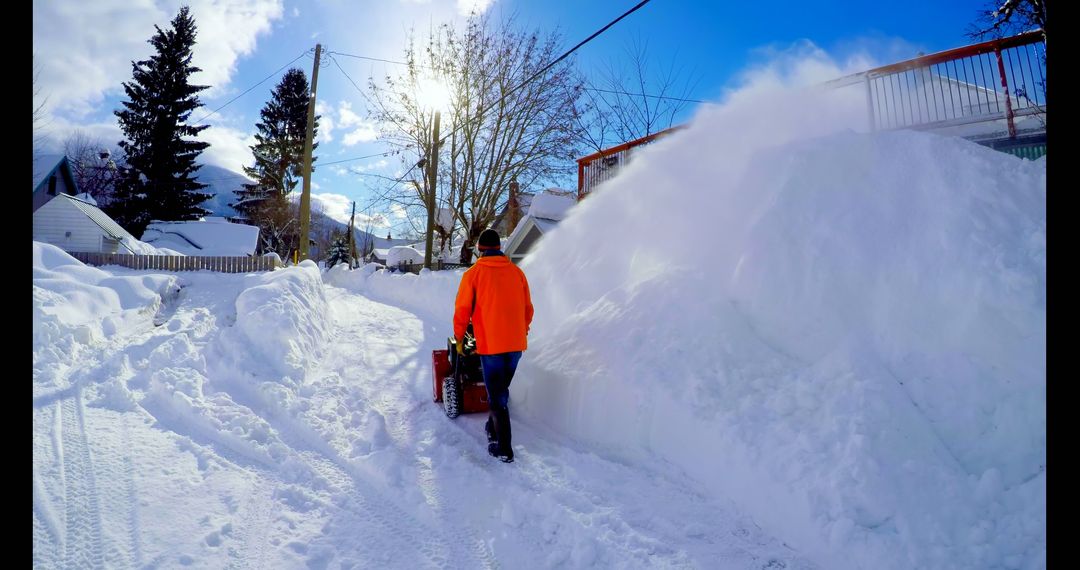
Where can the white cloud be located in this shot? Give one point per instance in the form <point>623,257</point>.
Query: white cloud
<point>227,31</point>
<point>346,115</point>
<point>370,223</point>
<point>465,7</point>
<point>229,148</point>
<point>326,121</point>
<point>340,170</point>
<point>296,12</point>
<point>336,206</point>
<point>363,134</point>
<point>315,185</point>
<point>59,128</point>
<point>85,49</point>
<point>363,131</point>
<point>382,163</point>
<point>398,211</point>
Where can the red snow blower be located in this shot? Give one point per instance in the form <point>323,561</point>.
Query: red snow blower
<point>456,380</point>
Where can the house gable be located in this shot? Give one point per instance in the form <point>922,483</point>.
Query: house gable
<point>52,177</point>
<point>74,225</point>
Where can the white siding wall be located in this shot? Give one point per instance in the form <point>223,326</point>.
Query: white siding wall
<point>59,216</point>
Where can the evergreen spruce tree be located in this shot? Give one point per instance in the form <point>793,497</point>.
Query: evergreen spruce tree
<point>339,251</point>
<point>156,181</point>
<point>279,161</point>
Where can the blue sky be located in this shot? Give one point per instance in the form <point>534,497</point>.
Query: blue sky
<point>84,52</point>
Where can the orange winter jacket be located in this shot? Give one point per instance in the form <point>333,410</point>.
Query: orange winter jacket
<point>495,295</point>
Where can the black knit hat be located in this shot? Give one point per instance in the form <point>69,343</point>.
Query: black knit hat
<point>489,239</point>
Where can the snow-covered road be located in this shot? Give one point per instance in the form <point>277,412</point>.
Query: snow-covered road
<point>168,446</point>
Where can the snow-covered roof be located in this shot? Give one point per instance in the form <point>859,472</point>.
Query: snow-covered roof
<point>551,204</point>
<point>209,236</point>
<point>403,253</point>
<point>545,224</point>
<point>545,212</point>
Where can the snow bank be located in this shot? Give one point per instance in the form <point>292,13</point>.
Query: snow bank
<point>283,318</point>
<point>552,204</point>
<point>842,333</point>
<point>77,303</point>
<point>431,293</point>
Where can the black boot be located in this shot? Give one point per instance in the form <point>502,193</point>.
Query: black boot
<point>494,451</point>
<point>489,429</point>
<point>502,429</point>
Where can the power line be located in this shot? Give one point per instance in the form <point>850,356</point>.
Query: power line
<point>386,153</point>
<point>504,96</point>
<point>644,95</point>
<point>552,64</point>
<point>366,57</point>
<point>338,65</point>
<point>250,88</point>
<point>332,53</point>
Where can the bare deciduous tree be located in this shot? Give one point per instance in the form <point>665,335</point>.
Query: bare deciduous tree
<point>1008,17</point>
<point>632,98</point>
<point>40,121</point>
<point>92,164</point>
<point>497,128</point>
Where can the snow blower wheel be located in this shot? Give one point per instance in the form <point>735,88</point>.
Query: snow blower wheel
<point>457,379</point>
<point>451,397</point>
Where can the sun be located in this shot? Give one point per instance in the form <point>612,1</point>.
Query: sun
<point>433,95</point>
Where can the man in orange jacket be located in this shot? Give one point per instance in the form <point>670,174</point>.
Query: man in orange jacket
<point>494,294</point>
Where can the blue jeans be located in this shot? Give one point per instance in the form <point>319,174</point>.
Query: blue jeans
<point>498,372</point>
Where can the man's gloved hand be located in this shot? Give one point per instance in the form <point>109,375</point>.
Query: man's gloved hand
<point>460,346</point>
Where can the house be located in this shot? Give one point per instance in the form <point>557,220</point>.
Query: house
<point>69,220</point>
<point>377,255</point>
<point>211,235</point>
<point>545,212</point>
<point>76,224</point>
<point>507,218</point>
<point>52,176</point>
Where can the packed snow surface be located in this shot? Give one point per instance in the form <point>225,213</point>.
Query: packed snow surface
<point>280,420</point>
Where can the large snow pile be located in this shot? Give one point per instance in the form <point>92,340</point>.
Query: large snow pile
<point>76,305</point>
<point>283,318</point>
<point>843,333</point>
<point>431,293</point>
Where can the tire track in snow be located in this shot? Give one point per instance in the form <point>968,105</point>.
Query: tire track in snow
<point>454,528</point>
<point>651,533</point>
<point>256,515</point>
<point>449,543</point>
<point>375,508</point>
<point>82,536</point>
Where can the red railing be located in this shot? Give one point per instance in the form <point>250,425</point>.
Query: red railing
<point>600,166</point>
<point>988,82</point>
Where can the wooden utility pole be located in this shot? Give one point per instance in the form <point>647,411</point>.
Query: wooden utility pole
<point>433,172</point>
<point>352,237</point>
<point>305,198</point>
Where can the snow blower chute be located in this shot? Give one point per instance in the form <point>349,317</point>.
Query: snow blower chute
<point>456,380</point>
